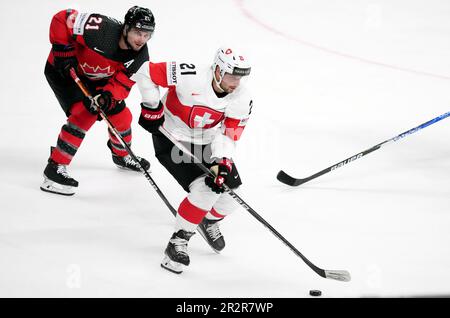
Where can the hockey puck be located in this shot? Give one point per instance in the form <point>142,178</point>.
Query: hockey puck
<point>315,292</point>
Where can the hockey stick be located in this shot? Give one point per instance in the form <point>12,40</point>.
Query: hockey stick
<point>340,275</point>
<point>287,179</point>
<point>123,143</point>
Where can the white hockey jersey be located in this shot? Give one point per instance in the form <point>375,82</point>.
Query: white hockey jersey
<point>193,112</point>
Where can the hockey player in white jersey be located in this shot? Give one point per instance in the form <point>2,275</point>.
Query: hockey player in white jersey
<point>207,109</point>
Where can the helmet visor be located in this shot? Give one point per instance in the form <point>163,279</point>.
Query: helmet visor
<point>241,71</point>
<point>144,26</point>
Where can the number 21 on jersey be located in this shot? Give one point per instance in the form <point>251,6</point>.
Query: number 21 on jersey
<point>93,23</point>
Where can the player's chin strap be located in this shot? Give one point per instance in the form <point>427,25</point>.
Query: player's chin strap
<point>218,82</point>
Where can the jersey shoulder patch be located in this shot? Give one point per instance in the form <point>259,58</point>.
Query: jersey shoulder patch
<point>80,21</point>
<point>172,73</point>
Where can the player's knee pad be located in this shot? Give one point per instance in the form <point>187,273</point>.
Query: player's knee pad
<point>201,195</point>
<point>80,117</point>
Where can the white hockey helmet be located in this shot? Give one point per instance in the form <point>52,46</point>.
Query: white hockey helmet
<point>230,61</point>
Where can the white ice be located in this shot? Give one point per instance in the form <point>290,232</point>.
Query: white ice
<point>330,79</point>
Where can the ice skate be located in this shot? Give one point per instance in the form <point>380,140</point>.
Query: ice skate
<point>210,231</point>
<point>127,161</point>
<point>176,255</point>
<point>57,180</point>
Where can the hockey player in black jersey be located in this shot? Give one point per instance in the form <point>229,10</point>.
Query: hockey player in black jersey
<point>105,53</point>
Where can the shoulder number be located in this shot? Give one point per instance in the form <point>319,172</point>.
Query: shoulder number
<point>84,21</point>
<point>93,23</point>
<point>187,69</point>
<point>173,72</point>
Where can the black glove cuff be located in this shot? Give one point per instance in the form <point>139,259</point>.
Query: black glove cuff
<point>105,100</point>
<point>152,126</point>
<point>157,109</point>
<point>63,51</point>
<point>209,181</point>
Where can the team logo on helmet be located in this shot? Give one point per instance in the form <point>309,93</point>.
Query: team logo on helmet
<point>140,18</point>
<point>231,62</point>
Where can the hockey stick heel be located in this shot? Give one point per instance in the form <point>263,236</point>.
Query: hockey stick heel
<point>287,179</point>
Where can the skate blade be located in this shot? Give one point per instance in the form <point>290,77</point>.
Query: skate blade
<point>53,187</point>
<point>172,266</point>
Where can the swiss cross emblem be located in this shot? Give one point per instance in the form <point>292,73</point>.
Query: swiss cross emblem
<point>204,117</point>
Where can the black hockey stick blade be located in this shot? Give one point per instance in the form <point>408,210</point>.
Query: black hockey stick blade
<point>287,179</point>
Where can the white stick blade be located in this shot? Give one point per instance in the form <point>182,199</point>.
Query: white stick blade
<point>343,276</point>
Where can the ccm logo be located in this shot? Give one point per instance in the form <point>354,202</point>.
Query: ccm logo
<point>343,163</point>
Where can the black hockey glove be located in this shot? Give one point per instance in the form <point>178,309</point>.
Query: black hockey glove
<point>64,59</point>
<point>151,118</point>
<point>64,64</point>
<point>102,100</point>
<point>222,171</point>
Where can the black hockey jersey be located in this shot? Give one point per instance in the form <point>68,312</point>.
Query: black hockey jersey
<point>94,40</point>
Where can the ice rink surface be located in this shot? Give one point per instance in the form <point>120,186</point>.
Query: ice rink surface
<point>329,79</point>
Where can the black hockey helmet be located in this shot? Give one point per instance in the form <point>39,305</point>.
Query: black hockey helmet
<point>140,18</point>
